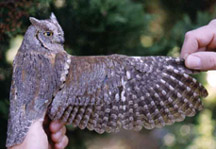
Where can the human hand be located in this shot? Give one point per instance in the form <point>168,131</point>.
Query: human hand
<point>199,47</point>
<point>37,138</point>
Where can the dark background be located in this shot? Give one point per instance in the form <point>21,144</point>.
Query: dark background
<point>131,27</point>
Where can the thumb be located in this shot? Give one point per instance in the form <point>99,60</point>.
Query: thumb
<point>201,61</point>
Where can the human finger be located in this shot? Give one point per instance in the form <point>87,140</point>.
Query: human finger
<point>63,143</point>
<point>57,137</point>
<point>201,61</point>
<point>203,37</point>
<point>56,126</point>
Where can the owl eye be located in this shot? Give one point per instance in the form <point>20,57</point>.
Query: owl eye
<point>48,33</point>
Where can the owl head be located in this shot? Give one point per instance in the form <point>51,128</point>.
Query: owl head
<point>44,35</point>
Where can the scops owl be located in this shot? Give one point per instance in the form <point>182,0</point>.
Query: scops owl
<point>101,93</point>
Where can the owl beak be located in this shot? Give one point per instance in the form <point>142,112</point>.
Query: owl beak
<point>60,40</point>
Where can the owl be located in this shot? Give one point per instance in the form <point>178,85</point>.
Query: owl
<point>101,93</point>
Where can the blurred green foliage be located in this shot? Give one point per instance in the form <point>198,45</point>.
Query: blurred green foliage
<point>93,24</point>
<point>132,27</point>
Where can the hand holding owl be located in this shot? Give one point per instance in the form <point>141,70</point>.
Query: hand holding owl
<point>199,48</point>
<point>37,138</point>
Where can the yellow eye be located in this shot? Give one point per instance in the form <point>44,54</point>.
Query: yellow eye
<point>48,33</point>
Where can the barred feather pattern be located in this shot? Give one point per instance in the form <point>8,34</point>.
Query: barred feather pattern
<point>101,93</point>
<point>107,93</point>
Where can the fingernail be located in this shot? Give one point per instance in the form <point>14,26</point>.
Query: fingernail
<point>193,62</point>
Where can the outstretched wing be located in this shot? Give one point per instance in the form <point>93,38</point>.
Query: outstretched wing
<point>109,92</point>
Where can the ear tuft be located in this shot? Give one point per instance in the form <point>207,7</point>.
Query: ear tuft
<point>52,16</point>
<point>34,21</point>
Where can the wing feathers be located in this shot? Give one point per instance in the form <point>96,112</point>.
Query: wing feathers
<point>107,93</point>
<point>181,95</point>
<point>73,114</point>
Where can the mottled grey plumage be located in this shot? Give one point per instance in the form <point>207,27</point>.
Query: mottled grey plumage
<point>101,93</point>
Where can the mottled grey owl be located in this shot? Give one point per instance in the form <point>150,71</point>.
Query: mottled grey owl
<point>101,93</point>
